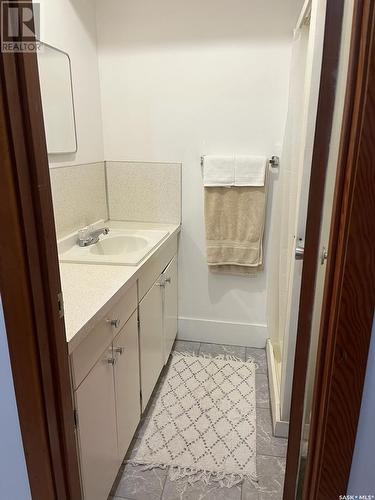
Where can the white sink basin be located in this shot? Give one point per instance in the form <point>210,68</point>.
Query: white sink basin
<point>120,246</point>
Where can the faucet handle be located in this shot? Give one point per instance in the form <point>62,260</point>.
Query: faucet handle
<point>83,233</point>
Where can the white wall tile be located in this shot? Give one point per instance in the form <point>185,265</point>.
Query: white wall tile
<point>147,192</point>
<point>79,196</point>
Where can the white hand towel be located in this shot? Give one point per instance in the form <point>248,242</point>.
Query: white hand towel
<point>250,170</point>
<point>218,171</point>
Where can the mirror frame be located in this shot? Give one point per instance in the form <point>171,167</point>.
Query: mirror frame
<point>72,97</point>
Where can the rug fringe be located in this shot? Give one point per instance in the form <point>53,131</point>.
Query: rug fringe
<point>224,357</point>
<point>192,475</point>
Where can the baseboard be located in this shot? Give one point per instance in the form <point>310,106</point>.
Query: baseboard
<point>222,332</point>
<point>280,427</point>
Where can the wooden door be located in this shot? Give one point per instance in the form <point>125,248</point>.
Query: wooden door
<point>151,340</point>
<point>95,400</point>
<point>170,306</point>
<point>127,384</point>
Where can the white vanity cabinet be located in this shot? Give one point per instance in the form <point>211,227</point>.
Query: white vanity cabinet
<point>170,306</point>
<point>108,408</point>
<point>95,403</point>
<point>127,384</point>
<point>116,362</point>
<point>151,339</point>
<point>105,376</point>
<point>158,327</point>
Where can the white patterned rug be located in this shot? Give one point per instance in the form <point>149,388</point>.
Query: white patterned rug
<point>204,422</point>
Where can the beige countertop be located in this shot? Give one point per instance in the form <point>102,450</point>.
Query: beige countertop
<point>91,290</point>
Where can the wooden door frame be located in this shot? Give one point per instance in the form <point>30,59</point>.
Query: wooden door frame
<point>349,292</point>
<point>340,362</point>
<point>30,284</point>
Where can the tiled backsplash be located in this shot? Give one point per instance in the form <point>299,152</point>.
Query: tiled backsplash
<point>79,196</point>
<point>146,192</point>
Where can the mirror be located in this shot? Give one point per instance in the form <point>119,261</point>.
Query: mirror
<point>57,100</point>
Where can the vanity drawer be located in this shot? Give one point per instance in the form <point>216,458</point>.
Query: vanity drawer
<point>100,337</point>
<point>156,266</point>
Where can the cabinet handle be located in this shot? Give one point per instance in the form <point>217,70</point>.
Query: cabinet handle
<point>120,350</point>
<point>167,280</point>
<point>111,361</point>
<point>114,322</point>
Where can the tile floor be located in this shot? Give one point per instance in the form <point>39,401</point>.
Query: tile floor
<point>134,484</point>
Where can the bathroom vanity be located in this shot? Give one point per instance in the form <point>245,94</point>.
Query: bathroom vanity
<point>121,322</point>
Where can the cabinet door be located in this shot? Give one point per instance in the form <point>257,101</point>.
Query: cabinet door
<point>95,400</point>
<point>127,387</point>
<point>170,307</point>
<point>151,340</point>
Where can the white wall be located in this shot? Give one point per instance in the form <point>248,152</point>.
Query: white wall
<point>14,482</point>
<point>181,79</point>
<point>362,478</point>
<point>70,25</point>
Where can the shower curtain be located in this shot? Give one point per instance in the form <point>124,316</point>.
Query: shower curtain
<point>290,175</point>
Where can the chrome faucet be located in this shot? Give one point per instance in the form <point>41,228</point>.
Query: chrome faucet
<point>87,237</point>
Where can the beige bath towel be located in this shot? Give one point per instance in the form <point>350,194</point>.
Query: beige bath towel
<point>234,228</point>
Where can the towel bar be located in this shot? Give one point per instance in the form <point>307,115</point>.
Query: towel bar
<point>274,161</point>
